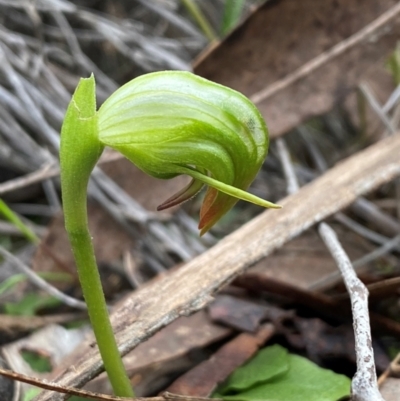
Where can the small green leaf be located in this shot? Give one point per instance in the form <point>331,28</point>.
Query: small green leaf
<point>267,364</point>
<point>14,219</point>
<point>12,281</point>
<point>201,20</point>
<point>232,12</point>
<point>30,305</point>
<point>31,394</point>
<point>302,381</point>
<point>36,361</point>
<point>393,64</point>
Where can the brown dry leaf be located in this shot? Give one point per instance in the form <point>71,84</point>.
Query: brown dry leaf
<point>203,379</point>
<point>240,314</point>
<point>166,353</point>
<point>109,239</point>
<point>323,304</point>
<point>281,36</point>
<point>323,341</point>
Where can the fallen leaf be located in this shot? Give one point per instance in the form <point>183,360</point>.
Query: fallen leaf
<point>202,380</point>
<point>167,353</point>
<point>284,35</point>
<point>237,313</point>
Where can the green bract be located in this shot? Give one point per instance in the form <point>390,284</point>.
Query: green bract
<point>171,123</point>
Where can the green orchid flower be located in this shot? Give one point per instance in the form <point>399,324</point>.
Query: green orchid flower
<point>167,124</point>
<point>171,123</point>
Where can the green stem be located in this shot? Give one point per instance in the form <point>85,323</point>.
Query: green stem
<point>231,16</point>
<point>79,152</point>
<point>75,213</point>
<point>92,290</point>
<point>198,16</point>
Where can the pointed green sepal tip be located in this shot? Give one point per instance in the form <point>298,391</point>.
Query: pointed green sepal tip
<point>84,97</point>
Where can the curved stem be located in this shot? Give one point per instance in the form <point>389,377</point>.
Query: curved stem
<point>89,278</point>
<point>79,152</point>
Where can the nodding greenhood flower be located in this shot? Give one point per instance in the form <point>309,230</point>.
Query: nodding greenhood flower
<point>172,123</point>
<point>167,123</point>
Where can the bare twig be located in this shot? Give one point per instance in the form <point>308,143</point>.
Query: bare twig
<point>49,170</point>
<point>174,19</point>
<point>290,174</point>
<point>392,368</point>
<point>364,383</point>
<point>51,195</point>
<point>367,92</point>
<point>42,284</point>
<point>377,253</point>
<point>392,101</point>
<point>89,394</point>
<point>386,223</point>
<point>15,81</point>
<point>130,268</point>
<point>362,230</point>
<point>333,278</point>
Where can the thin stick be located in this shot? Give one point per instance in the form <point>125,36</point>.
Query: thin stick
<point>364,384</point>
<point>334,277</point>
<point>362,230</point>
<point>290,174</point>
<point>394,364</point>
<point>89,394</point>
<point>47,171</point>
<point>379,252</point>
<point>375,105</point>
<point>327,56</point>
<point>42,284</point>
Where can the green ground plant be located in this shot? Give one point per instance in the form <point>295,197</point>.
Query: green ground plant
<point>167,124</point>
<point>273,374</point>
<point>18,223</point>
